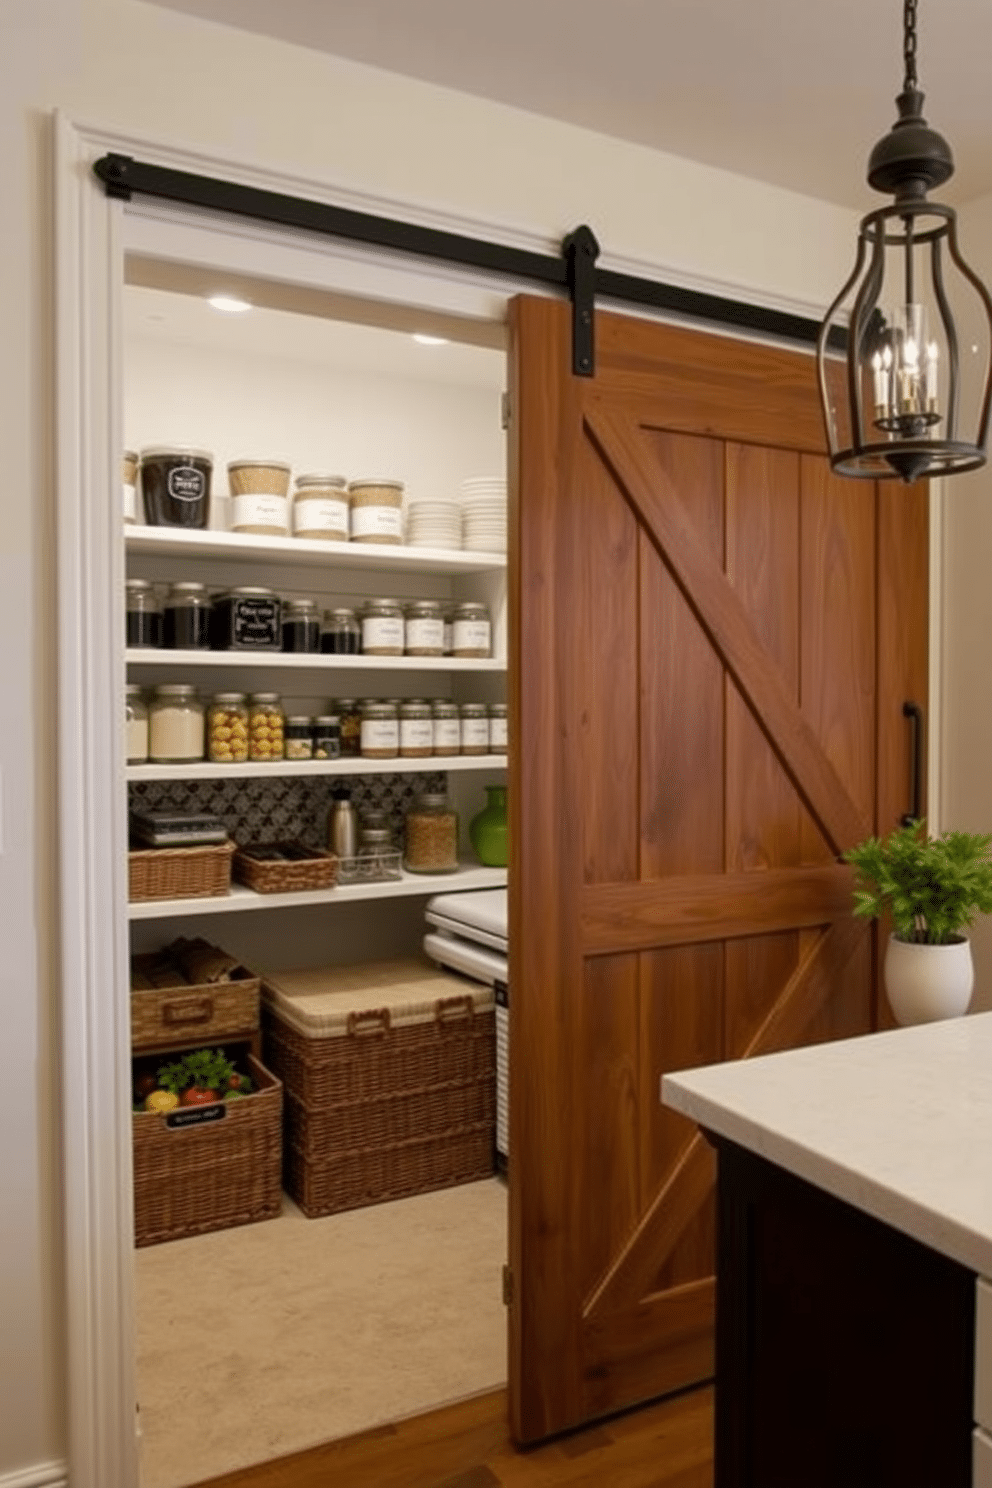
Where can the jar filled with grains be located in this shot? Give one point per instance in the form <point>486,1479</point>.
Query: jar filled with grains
<point>431,835</point>
<point>474,728</point>
<point>497,728</point>
<point>382,628</point>
<point>136,725</point>
<point>416,729</point>
<point>227,728</point>
<point>350,715</point>
<point>376,510</point>
<point>446,727</point>
<point>259,492</point>
<point>266,726</point>
<point>320,507</point>
<point>380,737</point>
<point>175,725</point>
<point>471,631</point>
<point>424,628</point>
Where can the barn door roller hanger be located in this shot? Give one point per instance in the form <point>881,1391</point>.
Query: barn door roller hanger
<point>573,271</point>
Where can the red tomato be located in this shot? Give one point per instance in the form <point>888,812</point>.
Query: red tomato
<point>194,1096</point>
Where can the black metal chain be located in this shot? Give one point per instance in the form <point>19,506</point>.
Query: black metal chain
<point>909,45</point>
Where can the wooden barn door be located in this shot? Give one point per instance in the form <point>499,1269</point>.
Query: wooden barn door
<point>713,639</point>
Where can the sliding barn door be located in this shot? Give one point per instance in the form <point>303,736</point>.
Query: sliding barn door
<point>713,639</point>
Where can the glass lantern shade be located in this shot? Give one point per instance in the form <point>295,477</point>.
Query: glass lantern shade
<point>903,356</point>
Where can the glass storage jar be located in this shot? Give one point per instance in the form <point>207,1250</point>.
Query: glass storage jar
<point>431,835</point>
<point>299,737</point>
<point>266,726</point>
<point>341,634</point>
<point>446,732</point>
<point>175,725</point>
<point>471,631</point>
<point>474,719</point>
<point>143,624</point>
<point>497,728</point>
<point>136,725</point>
<point>376,510</point>
<point>248,618</point>
<point>227,728</point>
<point>327,736</point>
<point>380,730</point>
<point>186,618</point>
<point>175,486</point>
<point>350,714</point>
<point>300,625</point>
<point>382,628</point>
<point>320,507</point>
<point>259,489</point>
<point>416,729</point>
<point>377,857</point>
<point>424,628</point>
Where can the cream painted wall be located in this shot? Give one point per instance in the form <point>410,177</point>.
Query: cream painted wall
<point>136,69</point>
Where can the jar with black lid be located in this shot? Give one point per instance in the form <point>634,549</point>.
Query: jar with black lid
<point>327,736</point>
<point>350,715</point>
<point>380,730</point>
<point>382,628</point>
<point>299,737</point>
<point>341,634</point>
<point>246,619</point>
<point>186,618</point>
<point>144,614</point>
<point>300,625</point>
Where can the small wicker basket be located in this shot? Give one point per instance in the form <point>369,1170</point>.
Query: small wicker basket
<point>309,868</point>
<point>180,872</point>
<point>169,1016</point>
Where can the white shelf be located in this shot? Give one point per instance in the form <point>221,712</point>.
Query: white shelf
<point>307,662</point>
<point>269,770</point>
<point>241,899</point>
<point>175,542</point>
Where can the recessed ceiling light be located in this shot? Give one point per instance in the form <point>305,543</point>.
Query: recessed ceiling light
<point>229,303</point>
<point>424,340</point>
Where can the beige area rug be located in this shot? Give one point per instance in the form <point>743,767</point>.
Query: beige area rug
<point>277,1336</point>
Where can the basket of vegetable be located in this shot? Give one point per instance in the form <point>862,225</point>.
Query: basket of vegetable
<point>207,1145</point>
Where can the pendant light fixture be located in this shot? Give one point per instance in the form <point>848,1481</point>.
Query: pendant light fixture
<point>905,392</point>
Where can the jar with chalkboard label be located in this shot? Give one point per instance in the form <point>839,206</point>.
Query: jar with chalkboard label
<point>246,619</point>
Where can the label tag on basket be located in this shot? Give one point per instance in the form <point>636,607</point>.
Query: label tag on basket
<point>194,1115</point>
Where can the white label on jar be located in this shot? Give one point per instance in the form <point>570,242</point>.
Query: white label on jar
<point>497,733</point>
<point>447,735</point>
<point>380,733</point>
<point>475,733</point>
<point>425,635</point>
<point>258,511</point>
<point>322,514</point>
<point>376,521</point>
<point>137,740</point>
<point>416,733</point>
<point>449,632</point>
<point>470,635</point>
<point>382,634</point>
<point>130,503</point>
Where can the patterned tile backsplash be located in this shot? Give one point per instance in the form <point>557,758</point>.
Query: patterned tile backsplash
<point>285,807</point>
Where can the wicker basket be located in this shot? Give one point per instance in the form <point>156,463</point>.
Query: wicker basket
<point>317,870</point>
<point>169,1017</point>
<point>381,1101</point>
<point>180,872</point>
<point>211,1176</point>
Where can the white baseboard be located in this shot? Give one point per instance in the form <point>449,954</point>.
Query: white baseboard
<point>42,1475</point>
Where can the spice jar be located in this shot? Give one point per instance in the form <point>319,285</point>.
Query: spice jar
<point>320,507</point>
<point>474,728</point>
<point>341,634</point>
<point>300,625</point>
<point>350,714</point>
<point>246,619</point>
<point>299,737</point>
<point>471,630</point>
<point>380,738</point>
<point>431,835</point>
<point>175,485</point>
<point>175,725</point>
<point>424,628</point>
<point>136,725</point>
<point>266,728</point>
<point>129,473</point>
<point>258,497</point>
<point>376,510</point>
<point>446,727</point>
<point>382,628</point>
<point>186,617</point>
<point>327,736</point>
<point>143,624</point>
<point>416,729</point>
<point>227,728</point>
<point>497,728</point>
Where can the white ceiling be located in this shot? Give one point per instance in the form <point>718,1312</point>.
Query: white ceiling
<point>788,91</point>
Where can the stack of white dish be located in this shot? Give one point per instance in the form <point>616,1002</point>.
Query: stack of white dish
<point>484,514</point>
<point>434,523</point>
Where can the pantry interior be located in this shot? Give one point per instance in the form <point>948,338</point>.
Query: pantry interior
<point>323,379</point>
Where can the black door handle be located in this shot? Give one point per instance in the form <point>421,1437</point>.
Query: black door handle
<point>914,712</point>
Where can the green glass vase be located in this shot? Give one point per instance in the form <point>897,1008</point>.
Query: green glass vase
<point>487,831</point>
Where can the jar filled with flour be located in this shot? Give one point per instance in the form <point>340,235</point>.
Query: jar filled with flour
<point>259,497</point>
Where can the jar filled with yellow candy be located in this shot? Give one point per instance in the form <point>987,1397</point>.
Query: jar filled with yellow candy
<point>266,726</point>
<point>227,728</point>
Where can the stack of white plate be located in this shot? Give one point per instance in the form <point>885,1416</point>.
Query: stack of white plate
<point>484,514</point>
<point>434,523</point>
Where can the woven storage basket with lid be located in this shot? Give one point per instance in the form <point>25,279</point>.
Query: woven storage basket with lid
<point>390,1072</point>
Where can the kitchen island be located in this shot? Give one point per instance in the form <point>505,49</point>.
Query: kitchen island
<point>854,1318</point>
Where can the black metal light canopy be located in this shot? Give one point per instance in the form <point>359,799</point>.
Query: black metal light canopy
<point>910,398</point>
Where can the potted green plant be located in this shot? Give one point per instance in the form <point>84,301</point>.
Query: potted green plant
<point>933,887</point>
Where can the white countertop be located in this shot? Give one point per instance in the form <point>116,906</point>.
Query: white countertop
<point>898,1124</point>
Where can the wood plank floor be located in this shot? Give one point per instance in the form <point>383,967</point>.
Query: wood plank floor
<point>667,1445</point>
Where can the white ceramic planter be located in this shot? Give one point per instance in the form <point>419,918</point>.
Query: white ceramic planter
<point>928,982</point>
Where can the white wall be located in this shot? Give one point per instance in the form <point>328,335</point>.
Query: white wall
<point>133,68</point>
